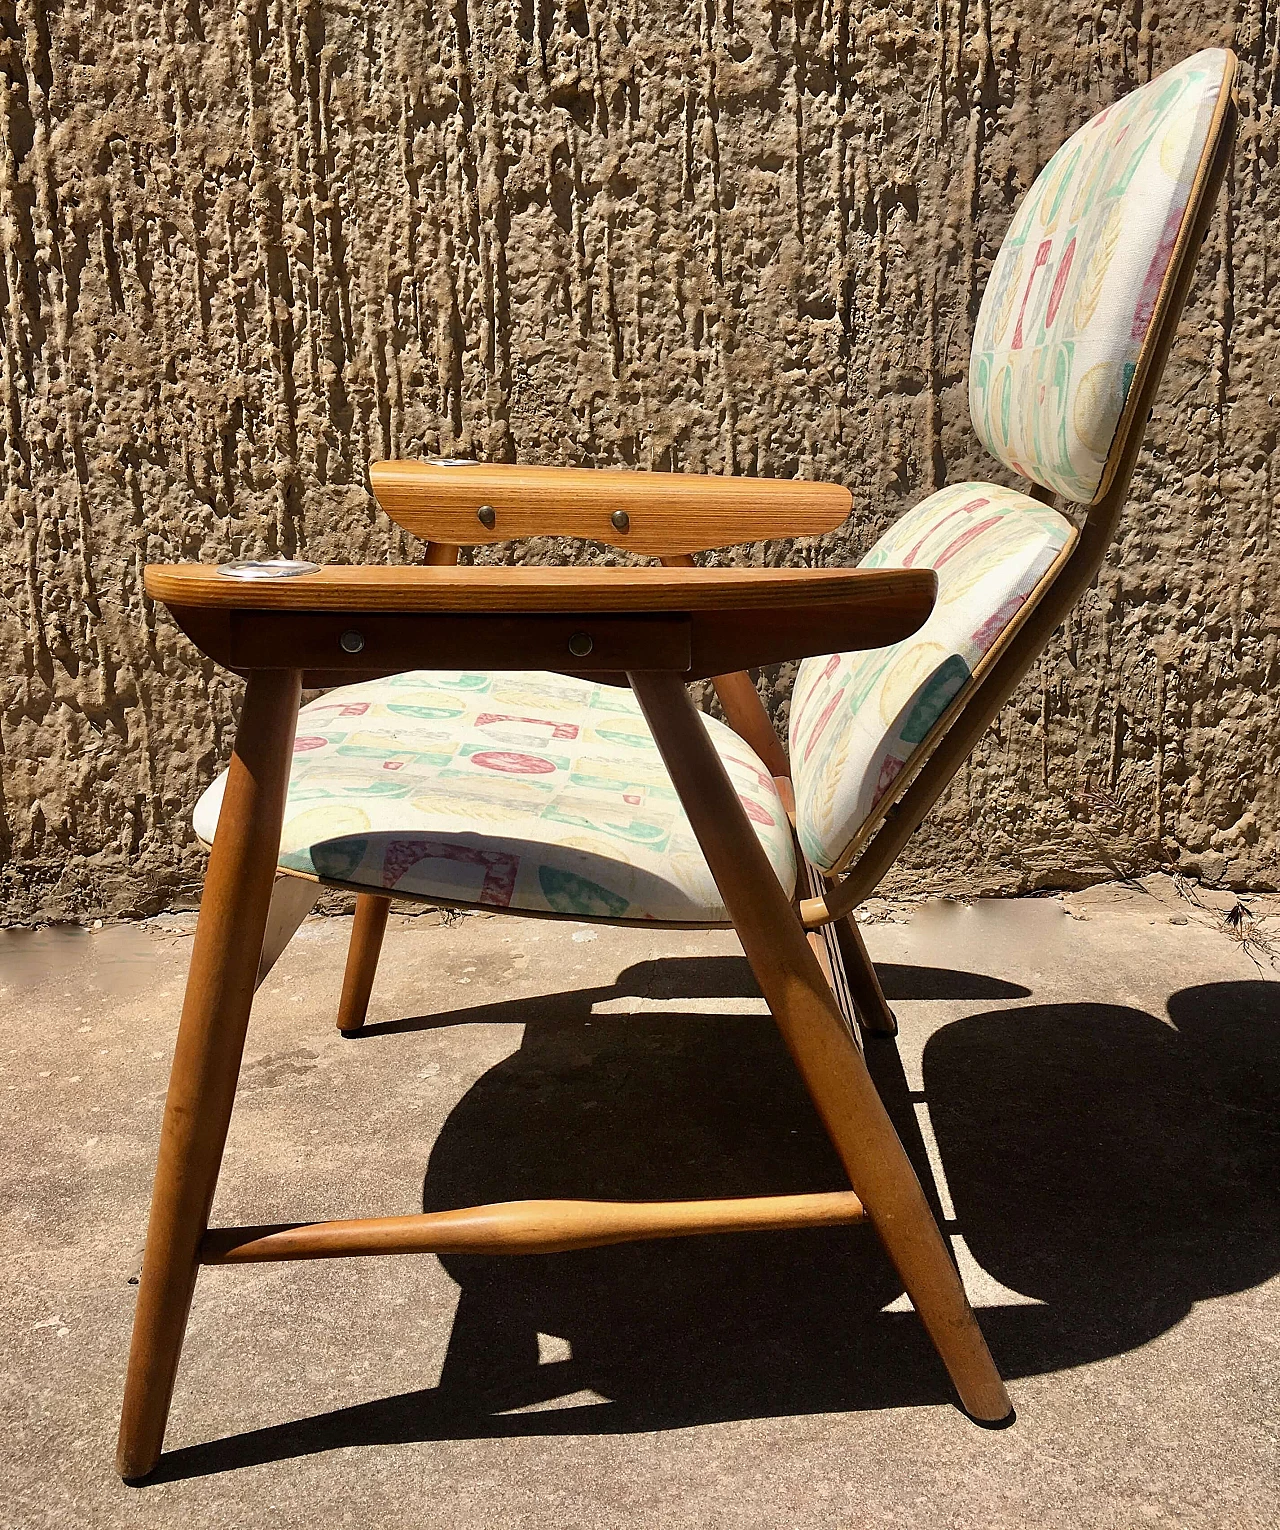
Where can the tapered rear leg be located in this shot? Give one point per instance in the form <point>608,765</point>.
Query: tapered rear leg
<point>821,1044</point>
<point>367,930</point>
<point>874,1014</point>
<point>206,1062</point>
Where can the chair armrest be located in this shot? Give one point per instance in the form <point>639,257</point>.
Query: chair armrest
<point>351,622</point>
<point>648,513</point>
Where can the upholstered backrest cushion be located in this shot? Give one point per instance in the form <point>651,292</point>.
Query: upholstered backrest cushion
<point>858,720</point>
<point>1074,287</point>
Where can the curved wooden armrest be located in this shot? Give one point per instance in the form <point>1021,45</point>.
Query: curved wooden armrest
<point>465,504</point>
<point>342,623</point>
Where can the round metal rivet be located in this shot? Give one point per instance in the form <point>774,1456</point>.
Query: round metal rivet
<point>487,517</point>
<point>580,645</point>
<point>351,642</point>
<point>621,520</point>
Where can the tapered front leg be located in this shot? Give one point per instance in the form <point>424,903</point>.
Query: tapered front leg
<point>206,1060</point>
<point>829,1061</point>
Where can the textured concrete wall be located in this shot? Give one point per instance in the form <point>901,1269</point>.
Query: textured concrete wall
<point>249,247</point>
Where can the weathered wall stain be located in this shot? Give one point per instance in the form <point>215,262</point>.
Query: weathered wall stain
<point>249,247</point>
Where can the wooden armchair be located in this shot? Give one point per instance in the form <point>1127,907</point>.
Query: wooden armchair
<point>550,761</point>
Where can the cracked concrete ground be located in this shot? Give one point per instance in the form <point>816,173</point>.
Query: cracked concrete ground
<point>1092,1079</point>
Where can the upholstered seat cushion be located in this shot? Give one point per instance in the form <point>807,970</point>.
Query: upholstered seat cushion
<point>859,719</point>
<point>526,791</point>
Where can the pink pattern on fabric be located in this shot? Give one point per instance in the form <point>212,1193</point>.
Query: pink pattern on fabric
<point>1154,278</point>
<point>756,813</point>
<point>301,745</point>
<point>824,718</point>
<point>890,770</point>
<point>1060,283</point>
<point>932,530</point>
<point>511,764</point>
<point>963,540</point>
<point>558,730</point>
<point>1042,259</point>
<point>499,867</point>
<point>995,624</point>
<point>747,765</point>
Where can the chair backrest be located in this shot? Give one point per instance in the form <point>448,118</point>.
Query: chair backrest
<point>1072,335</point>
<point>1074,291</point>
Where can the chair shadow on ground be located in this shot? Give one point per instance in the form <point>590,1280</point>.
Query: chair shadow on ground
<point>1112,1166</point>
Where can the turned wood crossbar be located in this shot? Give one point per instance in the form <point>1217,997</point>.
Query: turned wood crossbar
<point>527,1227</point>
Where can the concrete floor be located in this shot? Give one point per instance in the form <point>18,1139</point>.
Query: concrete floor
<point>1094,1080</point>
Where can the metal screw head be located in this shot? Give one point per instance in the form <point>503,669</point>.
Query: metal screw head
<point>580,644</point>
<point>487,517</point>
<point>621,520</point>
<point>351,642</point>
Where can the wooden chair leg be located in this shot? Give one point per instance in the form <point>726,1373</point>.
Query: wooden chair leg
<point>206,1061</point>
<point>826,1054</point>
<point>367,931</point>
<point>874,1014</point>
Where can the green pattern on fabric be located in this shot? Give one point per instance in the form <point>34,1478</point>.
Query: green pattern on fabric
<point>857,718</point>
<point>569,894</point>
<point>523,790</point>
<point>1073,289</point>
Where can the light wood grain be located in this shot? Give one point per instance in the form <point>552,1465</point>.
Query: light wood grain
<point>825,1052</point>
<point>355,588</point>
<point>697,622</point>
<point>367,930</point>
<point>665,512</point>
<point>863,981</point>
<point>696,644</point>
<point>440,555</point>
<point>745,714</point>
<point>447,640</point>
<point>206,1061</point>
<point>527,1227</point>
<point>743,709</point>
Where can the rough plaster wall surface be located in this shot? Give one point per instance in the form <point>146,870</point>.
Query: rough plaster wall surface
<point>249,248</point>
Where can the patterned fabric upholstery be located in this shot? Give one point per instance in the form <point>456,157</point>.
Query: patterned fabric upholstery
<point>857,719</point>
<point>522,791</point>
<point>1073,288</point>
